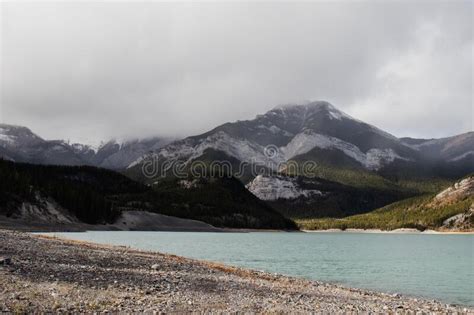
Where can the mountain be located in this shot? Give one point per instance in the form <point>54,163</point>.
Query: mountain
<point>20,144</point>
<point>356,167</point>
<point>451,158</point>
<point>452,149</point>
<point>320,133</point>
<point>293,131</point>
<point>116,155</point>
<point>449,209</point>
<point>313,159</point>
<point>84,194</point>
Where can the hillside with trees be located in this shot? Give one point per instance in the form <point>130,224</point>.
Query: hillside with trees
<point>450,209</point>
<point>98,196</point>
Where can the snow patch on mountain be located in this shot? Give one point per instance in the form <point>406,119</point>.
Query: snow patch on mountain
<point>118,154</point>
<point>274,130</point>
<point>16,136</point>
<point>6,139</point>
<point>334,113</point>
<point>426,143</point>
<point>79,148</point>
<point>141,159</point>
<point>304,142</point>
<point>189,149</point>
<point>246,151</point>
<point>462,156</point>
<point>278,187</point>
<point>58,147</point>
<point>241,149</point>
<point>376,158</point>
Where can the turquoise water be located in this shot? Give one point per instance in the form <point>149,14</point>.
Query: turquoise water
<point>424,265</point>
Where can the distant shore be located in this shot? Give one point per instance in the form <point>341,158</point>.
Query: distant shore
<point>146,221</point>
<point>396,231</point>
<point>46,274</point>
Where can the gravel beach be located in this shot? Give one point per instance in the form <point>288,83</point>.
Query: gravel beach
<point>44,274</point>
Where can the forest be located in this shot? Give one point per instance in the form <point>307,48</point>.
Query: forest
<point>98,196</point>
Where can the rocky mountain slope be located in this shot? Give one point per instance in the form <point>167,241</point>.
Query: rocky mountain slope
<point>450,209</point>
<point>299,197</point>
<point>292,131</point>
<point>314,131</point>
<point>451,149</point>
<point>20,144</point>
<point>116,155</point>
<point>279,187</point>
<point>356,166</point>
<point>318,132</point>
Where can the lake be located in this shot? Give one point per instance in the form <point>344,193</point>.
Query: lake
<point>436,266</point>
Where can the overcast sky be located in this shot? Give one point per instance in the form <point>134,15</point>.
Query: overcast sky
<point>92,71</point>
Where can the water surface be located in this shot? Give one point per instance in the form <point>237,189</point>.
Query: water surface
<point>433,266</point>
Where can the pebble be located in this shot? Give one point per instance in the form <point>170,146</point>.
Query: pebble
<point>5,261</point>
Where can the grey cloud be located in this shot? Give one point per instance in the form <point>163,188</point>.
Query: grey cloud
<point>99,70</point>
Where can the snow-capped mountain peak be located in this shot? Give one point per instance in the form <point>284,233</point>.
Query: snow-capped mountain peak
<point>309,108</point>
<point>20,144</point>
<point>294,129</point>
<point>17,136</point>
<point>310,131</point>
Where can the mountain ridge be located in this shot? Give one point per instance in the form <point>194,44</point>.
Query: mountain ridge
<point>20,144</point>
<point>311,131</point>
<point>296,130</point>
<point>357,167</point>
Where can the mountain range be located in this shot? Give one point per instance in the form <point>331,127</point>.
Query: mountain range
<point>320,132</point>
<point>20,144</point>
<point>317,130</point>
<point>358,167</point>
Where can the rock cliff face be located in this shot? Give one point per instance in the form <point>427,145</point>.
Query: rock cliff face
<point>278,187</point>
<point>40,210</point>
<point>461,222</point>
<point>459,191</point>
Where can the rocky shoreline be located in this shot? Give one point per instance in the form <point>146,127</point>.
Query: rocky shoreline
<point>44,274</point>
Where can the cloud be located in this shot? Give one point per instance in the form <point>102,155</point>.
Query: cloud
<point>100,70</point>
<point>427,89</point>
